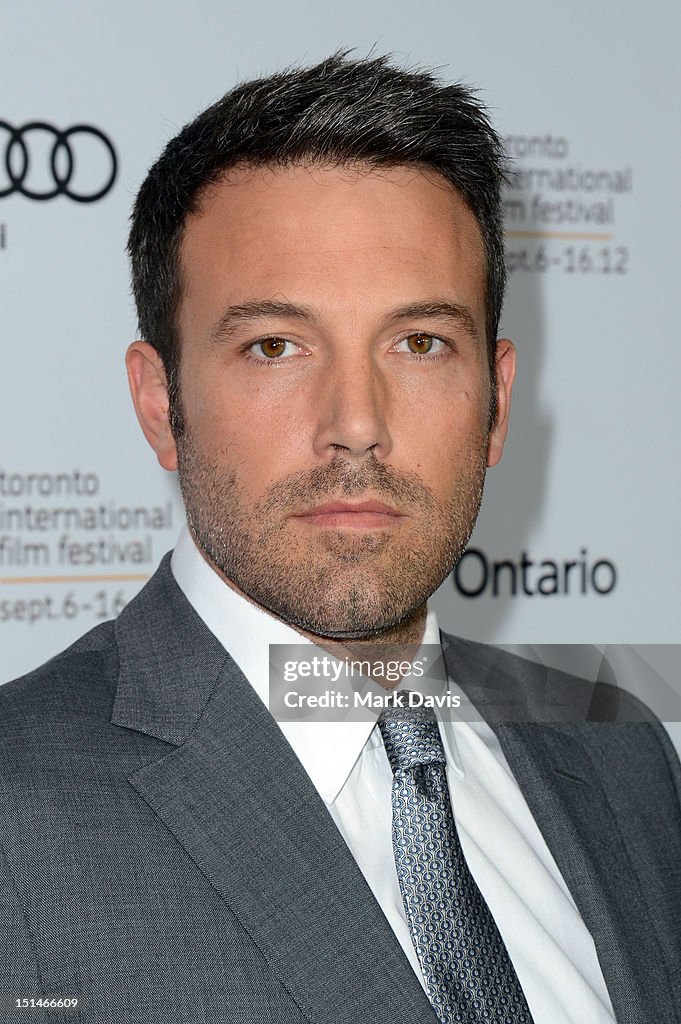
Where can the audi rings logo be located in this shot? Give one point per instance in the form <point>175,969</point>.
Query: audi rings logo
<point>41,162</point>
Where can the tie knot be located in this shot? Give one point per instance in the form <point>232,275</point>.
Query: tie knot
<point>411,737</point>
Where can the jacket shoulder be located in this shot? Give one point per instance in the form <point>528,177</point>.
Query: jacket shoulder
<point>620,735</point>
<point>542,693</point>
<point>80,681</point>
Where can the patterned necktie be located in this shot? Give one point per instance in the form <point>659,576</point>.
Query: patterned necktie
<point>467,969</point>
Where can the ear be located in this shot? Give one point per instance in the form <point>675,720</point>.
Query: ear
<point>149,390</point>
<point>505,374</point>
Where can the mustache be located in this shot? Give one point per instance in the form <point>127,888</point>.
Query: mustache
<point>341,478</point>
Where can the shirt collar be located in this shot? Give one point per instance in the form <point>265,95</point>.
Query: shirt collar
<point>327,750</point>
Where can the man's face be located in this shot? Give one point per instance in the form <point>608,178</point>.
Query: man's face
<point>335,390</point>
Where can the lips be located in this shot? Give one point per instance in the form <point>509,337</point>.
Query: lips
<point>333,507</point>
<point>357,514</point>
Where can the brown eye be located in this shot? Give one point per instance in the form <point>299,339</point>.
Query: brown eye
<point>420,344</point>
<point>272,347</point>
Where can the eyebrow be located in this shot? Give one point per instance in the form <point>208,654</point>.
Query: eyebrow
<point>259,309</point>
<point>452,312</point>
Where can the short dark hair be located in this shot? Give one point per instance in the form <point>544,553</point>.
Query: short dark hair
<point>341,111</point>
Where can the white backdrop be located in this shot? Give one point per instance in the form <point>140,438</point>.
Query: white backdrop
<point>589,104</point>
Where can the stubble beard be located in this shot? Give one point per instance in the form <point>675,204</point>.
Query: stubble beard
<point>339,584</point>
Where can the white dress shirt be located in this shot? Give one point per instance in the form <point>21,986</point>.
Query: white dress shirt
<point>552,951</point>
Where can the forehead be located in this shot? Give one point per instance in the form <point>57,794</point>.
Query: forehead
<point>331,234</point>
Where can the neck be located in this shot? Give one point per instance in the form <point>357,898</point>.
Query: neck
<point>398,643</point>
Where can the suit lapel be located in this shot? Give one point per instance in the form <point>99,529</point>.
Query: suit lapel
<point>554,770</point>
<point>235,796</point>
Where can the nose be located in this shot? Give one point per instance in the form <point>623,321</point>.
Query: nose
<point>353,410</point>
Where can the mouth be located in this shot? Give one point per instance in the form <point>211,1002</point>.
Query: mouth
<point>358,515</point>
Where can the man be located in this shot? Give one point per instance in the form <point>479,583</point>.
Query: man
<point>318,268</point>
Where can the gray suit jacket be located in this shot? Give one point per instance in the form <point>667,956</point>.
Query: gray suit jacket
<point>165,858</point>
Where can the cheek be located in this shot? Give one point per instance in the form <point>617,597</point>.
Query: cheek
<point>243,434</point>
<point>448,437</point>
<point>455,410</point>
